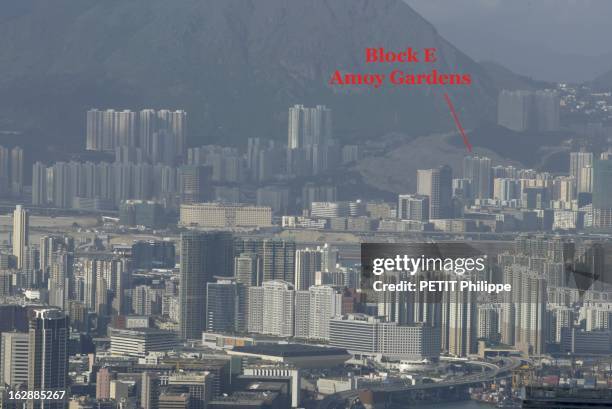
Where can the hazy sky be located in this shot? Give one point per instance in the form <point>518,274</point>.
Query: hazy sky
<point>533,37</point>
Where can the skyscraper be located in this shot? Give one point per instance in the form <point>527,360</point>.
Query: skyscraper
<point>150,390</point>
<point>307,263</point>
<point>90,268</point>
<point>523,110</point>
<point>107,130</point>
<point>21,232</point>
<point>255,309</point>
<point>39,184</point>
<point>514,110</point>
<point>505,189</point>
<point>579,161</point>
<point>48,356</point>
<point>546,106</point>
<point>462,321</point>
<point>602,193</point>
<point>325,304</point>
<point>17,171</point>
<point>196,184</point>
<point>59,279</point>
<point>147,126</point>
<point>413,207</point>
<point>309,126</point>
<point>95,125</point>
<point>524,315</point>
<point>585,183</point>
<point>5,176</point>
<point>277,257</point>
<point>437,184</point>
<point>247,269</point>
<point>103,381</point>
<point>478,171</point>
<point>278,308</point>
<point>203,255</point>
<point>221,306</point>
<point>175,124</point>
<point>110,129</point>
<point>309,139</point>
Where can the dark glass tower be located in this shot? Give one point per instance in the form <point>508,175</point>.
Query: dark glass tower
<point>48,356</point>
<point>203,256</point>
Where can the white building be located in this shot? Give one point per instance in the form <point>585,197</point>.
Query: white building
<point>278,308</point>
<point>14,358</point>
<point>325,303</point>
<point>21,230</point>
<point>366,335</point>
<point>139,342</point>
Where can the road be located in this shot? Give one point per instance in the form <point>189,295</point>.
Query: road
<point>493,372</point>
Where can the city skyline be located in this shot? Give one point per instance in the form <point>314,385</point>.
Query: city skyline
<point>196,213</point>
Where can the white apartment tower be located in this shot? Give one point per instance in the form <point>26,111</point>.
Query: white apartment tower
<point>21,227</point>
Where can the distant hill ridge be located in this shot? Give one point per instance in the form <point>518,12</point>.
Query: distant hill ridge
<point>233,65</point>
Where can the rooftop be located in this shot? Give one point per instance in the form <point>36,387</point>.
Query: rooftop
<point>289,350</point>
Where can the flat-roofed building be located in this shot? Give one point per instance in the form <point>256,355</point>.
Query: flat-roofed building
<point>218,215</point>
<point>361,334</point>
<point>139,342</point>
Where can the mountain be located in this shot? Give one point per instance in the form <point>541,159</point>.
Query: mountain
<point>233,65</point>
<point>507,79</point>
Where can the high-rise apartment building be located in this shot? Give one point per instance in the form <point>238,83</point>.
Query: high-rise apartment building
<point>39,184</point>
<point>277,257</point>
<point>602,193</point>
<point>255,309</point>
<point>5,175</point>
<point>103,185</point>
<point>247,269</point>
<point>21,233</point>
<point>523,110</point>
<point>107,130</point>
<point>309,126</point>
<point>325,304</point>
<point>514,110</point>
<point>524,317</point>
<point>413,207</point>
<point>307,263</point>
<point>579,161</point>
<point>160,134</point>
<point>196,184</point>
<point>309,139</point>
<point>436,184</point>
<point>203,256</point>
<point>278,308</point>
<point>477,169</point>
<point>175,124</point>
<point>103,383</point>
<point>17,164</point>
<point>462,322</point>
<point>505,189</point>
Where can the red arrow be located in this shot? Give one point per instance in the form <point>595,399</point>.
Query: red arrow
<point>457,123</point>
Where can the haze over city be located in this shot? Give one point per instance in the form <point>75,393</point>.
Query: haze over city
<point>354,204</point>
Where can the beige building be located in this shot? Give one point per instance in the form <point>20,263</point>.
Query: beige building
<point>220,215</point>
